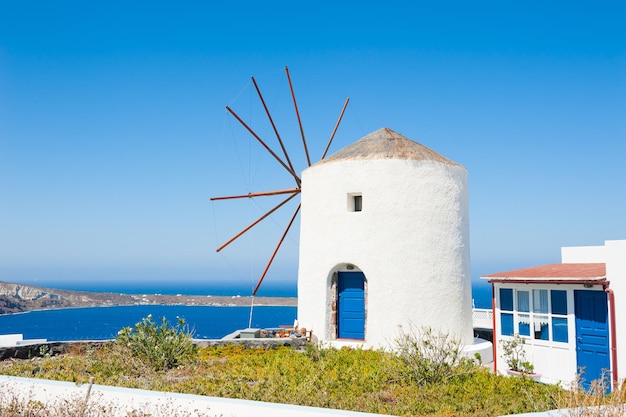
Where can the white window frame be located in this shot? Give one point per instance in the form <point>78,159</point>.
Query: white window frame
<point>355,202</point>
<point>532,315</point>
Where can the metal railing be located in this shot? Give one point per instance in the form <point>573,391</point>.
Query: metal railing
<point>482,318</point>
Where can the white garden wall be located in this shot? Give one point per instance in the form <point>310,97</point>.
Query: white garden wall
<point>616,274</point>
<point>613,253</point>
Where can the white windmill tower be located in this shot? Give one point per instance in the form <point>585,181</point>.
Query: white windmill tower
<point>384,242</point>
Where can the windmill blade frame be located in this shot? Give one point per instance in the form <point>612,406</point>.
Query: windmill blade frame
<point>286,163</point>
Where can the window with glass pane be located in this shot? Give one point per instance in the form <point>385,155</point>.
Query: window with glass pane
<point>541,327</point>
<point>506,322</point>
<point>358,203</point>
<point>536,313</point>
<point>506,299</point>
<point>559,302</point>
<point>540,301</point>
<point>523,324</point>
<point>523,301</point>
<point>559,329</point>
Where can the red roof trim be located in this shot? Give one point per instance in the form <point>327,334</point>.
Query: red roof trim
<point>575,273</point>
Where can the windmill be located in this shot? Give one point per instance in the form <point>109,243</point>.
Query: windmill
<point>283,160</point>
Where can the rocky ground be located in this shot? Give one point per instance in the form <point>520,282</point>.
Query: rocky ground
<point>15,298</point>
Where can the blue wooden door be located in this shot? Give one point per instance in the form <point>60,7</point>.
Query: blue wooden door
<point>351,305</point>
<point>592,334</point>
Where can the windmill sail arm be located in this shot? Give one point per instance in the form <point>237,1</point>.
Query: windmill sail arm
<point>267,148</point>
<point>285,161</point>
<point>280,242</point>
<point>269,116</point>
<point>295,105</point>
<point>257,221</point>
<point>260,194</point>
<point>332,135</point>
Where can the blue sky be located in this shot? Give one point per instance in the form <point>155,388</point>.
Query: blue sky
<point>113,132</point>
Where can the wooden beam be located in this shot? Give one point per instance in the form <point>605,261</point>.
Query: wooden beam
<point>335,129</point>
<point>261,194</point>
<point>280,242</point>
<point>293,96</point>
<point>269,116</point>
<point>238,235</point>
<point>252,132</point>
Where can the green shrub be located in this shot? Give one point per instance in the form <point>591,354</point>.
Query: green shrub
<point>429,357</point>
<point>515,355</point>
<point>160,346</point>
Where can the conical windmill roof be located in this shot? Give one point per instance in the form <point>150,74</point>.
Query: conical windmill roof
<point>387,144</point>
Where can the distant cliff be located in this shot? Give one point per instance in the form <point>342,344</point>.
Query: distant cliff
<point>15,298</point>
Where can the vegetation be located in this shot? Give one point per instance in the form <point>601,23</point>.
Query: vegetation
<point>430,357</point>
<point>422,380</point>
<point>12,404</point>
<point>159,346</point>
<point>515,356</point>
<point>593,401</point>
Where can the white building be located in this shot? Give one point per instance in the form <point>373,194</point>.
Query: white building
<point>568,313</point>
<point>384,244</point>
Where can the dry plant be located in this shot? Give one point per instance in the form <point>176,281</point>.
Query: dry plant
<point>17,404</point>
<point>595,401</point>
<point>431,357</point>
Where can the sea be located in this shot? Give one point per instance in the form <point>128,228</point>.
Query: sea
<point>205,322</point>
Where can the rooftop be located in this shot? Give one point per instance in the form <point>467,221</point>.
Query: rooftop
<point>553,272</point>
<point>387,144</point>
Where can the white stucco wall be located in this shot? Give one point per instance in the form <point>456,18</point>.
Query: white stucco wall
<point>411,240</point>
<point>583,254</point>
<point>613,253</point>
<point>117,401</point>
<point>616,274</point>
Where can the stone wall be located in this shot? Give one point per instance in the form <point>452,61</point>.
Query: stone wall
<point>56,348</point>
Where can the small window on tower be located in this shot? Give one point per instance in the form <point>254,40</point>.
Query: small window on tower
<point>355,202</point>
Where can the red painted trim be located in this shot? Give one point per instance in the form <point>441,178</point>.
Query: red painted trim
<point>602,281</point>
<point>611,295</point>
<point>493,320</point>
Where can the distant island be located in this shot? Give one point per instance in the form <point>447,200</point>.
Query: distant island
<point>17,298</point>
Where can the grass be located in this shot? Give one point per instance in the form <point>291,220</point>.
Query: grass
<point>350,379</point>
<point>359,380</point>
<point>593,401</point>
<point>17,404</point>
